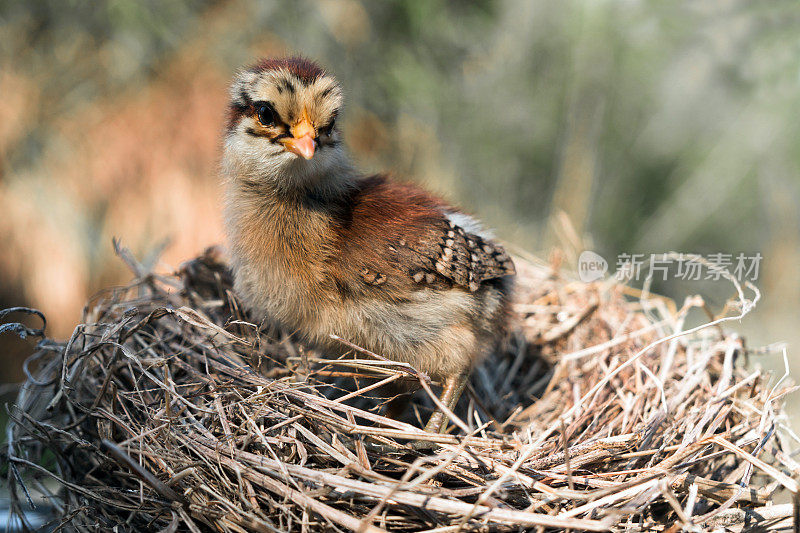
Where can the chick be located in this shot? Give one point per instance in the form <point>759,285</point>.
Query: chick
<point>322,249</point>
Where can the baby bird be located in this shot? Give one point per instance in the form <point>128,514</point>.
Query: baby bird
<point>322,249</point>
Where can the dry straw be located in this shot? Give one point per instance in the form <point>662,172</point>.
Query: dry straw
<point>166,410</point>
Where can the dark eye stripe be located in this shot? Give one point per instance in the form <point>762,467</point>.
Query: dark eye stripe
<point>254,133</point>
<point>246,101</point>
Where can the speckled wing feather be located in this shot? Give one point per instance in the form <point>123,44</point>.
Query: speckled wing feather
<point>464,258</point>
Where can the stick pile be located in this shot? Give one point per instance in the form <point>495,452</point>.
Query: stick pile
<point>168,411</point>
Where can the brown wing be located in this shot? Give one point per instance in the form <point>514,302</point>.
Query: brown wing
<point>390,235</point>
<point>464,258</point>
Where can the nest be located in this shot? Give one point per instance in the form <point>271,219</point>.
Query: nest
<point>167,410</point>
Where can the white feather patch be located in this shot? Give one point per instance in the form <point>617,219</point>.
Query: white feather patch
<point>468,224</point>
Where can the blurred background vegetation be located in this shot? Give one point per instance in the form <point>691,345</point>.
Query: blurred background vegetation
<point>618,126</point>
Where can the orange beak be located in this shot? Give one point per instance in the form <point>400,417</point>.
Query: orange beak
<point>302,140</point>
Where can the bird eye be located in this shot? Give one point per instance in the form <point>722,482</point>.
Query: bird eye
<point>265,113</point>
<point>327,130</point>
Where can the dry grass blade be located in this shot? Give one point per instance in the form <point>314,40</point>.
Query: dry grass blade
<point>166,411</point>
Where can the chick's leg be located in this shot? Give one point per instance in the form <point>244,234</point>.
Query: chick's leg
<point>461,383</point>
<point>453,388</point>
